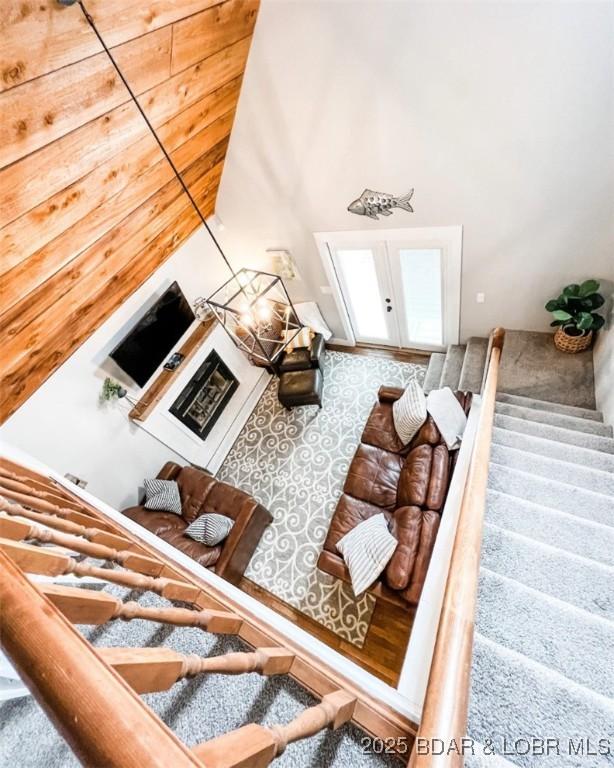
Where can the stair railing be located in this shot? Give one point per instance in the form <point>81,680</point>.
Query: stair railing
<point>90,694</point>
<point>444,714</point>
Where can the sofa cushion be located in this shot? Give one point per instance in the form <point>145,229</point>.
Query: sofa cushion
<point>405,526</point>
<point>379,429</point>
<point>428,434</point>
<point>373,476</point>
<point>227,500</point>
<point>438,483</point>
<point>156,522</point>
<point>428,534</point>
<point>415,477</point>
<point>204,555</point>
<point>348,514</point>
<point>194,487</point>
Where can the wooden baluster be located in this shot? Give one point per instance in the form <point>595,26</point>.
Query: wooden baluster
<point>47,563</point>
<point>104,722</point>
<point>41,505</point>
<point>255,746</point>
<point>84,606</point>
<point>12,528</point>
<point>157,669</point>
<point>94,535</point>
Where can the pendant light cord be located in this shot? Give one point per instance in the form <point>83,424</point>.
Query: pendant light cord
<point>92,24</point>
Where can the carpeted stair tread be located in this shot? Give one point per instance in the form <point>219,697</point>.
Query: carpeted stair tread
<point>560,434</point>
<point>552,493</point>
<point>474,361</point>
<point>433,372</point>
<point>514,697</point>
<point>555,419</point>
<point>546,447</point>
<point>545,405</point>
<point>568,577</point>
<point>548,631</point>
<point>544,466</point>
<point>569,532</point>
<point>452,366</point>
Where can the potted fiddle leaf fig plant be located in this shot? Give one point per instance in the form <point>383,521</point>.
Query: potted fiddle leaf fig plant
<point>574,316</point>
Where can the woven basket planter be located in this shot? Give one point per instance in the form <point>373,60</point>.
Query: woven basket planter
<point>571,344</point>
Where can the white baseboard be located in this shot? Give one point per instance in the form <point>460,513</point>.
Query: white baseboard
<point>340,342</point>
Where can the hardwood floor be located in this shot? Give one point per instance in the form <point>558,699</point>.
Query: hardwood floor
<point>386,642</point>
<point>385,645</point>
<point>403,355</point>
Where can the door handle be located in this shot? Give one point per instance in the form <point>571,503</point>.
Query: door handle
<point>388,309</point>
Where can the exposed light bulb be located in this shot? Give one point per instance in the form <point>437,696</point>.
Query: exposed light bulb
<point>247,320</point>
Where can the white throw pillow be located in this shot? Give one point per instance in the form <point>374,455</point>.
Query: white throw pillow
<point>366,551</point>
<point>409,412</point>
<point>297,340</point>
<point>448,415</point>
<point>162,495</point>
<point>210,528</point>
<point>309,314</point>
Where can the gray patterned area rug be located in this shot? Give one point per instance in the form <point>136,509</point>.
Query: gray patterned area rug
<point>295,464</point>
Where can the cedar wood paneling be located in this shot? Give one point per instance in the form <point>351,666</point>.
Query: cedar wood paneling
<point>88,205</point>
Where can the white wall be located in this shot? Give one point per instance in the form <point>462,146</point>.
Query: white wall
<point>499,114</point>
<point>64,425</point>
<point>603,358</point>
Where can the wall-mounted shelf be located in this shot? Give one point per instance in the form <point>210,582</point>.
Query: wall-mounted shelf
<point>161,384</point>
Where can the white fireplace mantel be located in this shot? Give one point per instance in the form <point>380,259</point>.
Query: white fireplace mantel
<point>210,452</point>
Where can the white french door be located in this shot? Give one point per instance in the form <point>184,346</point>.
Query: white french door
<point>365,283</point>
<point>401,290</point>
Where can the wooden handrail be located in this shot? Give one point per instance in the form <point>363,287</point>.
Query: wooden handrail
<point>444,715</point>
<point>96,711</point>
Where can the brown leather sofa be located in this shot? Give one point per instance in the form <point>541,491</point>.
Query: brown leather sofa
<point>408,484</point>
<point>200,492</point>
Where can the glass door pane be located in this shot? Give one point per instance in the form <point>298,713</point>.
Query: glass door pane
<point>421,286</point>
<point>363,278</point>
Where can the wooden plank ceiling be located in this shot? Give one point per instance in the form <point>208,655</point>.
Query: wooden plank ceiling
<point>88,205</point>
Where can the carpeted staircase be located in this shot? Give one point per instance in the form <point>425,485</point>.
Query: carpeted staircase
<point>461,367</point>
<point>543,664</point>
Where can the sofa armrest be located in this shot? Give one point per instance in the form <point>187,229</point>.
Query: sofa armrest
<point>242,540</point>
<point>317,348</point>
<point>169,471</point>
<point>389,394</point>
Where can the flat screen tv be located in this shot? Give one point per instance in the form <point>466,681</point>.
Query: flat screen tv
<point>153,337</point>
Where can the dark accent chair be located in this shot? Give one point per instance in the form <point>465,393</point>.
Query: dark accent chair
<point>300,376</point>
<point>303,358</point>
<point>200,492</point>
<point>409,484</point>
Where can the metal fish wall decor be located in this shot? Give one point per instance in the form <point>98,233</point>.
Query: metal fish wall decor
<point>372,203</point>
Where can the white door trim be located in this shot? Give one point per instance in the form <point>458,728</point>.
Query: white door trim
<point>449,239</point>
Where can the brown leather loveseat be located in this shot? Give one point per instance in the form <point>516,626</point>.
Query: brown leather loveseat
<point>200,492</point>
<point>408,484</point>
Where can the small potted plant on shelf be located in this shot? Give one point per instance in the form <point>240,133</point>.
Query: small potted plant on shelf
<point>574,316</point>
<point>111,389</point>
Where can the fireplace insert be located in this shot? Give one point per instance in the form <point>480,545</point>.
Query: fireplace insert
<point>202,401</point>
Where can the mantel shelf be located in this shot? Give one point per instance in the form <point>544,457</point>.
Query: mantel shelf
<point>161,384</point>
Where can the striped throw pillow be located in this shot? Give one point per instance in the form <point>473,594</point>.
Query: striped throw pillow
<point>409,412</point>
<point>210,528</point>
<point>366,551</point>
<point>162,495</point>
